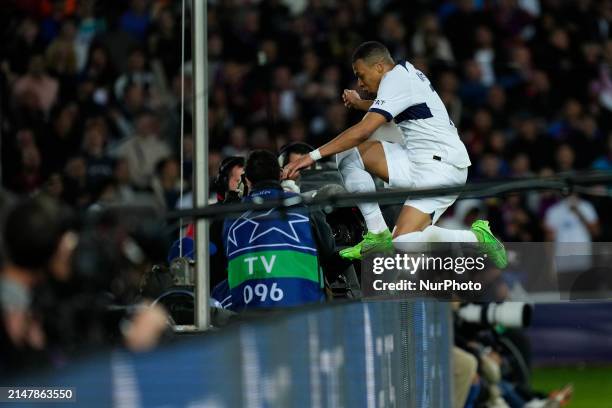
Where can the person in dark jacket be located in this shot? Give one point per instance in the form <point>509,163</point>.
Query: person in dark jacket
<point>276,258</point>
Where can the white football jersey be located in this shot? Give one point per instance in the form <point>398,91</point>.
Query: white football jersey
<point>406,96</point>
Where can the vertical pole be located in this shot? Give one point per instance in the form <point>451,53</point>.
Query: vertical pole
<point>200,179</point>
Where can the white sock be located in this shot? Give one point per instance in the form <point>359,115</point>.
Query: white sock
<point>358,180</point>
<point>434,234</point>
<point>374,221</point>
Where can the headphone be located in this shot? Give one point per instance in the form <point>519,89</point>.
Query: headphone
<point>286,150</point>
<point>221,182</point>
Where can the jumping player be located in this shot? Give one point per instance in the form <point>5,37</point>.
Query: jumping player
<point>431,155</point>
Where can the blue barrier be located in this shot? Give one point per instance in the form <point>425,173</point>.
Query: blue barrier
<point>360,354</point>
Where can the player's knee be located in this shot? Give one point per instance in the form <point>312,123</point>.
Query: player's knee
<point>433,234</point>
<point>358,187</point>
<point>347,159</point>
<point>402,183</point>
<point>406,235</point>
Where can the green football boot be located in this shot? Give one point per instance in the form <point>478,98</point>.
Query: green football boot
<point>490,245</point>
<point>371,243</point>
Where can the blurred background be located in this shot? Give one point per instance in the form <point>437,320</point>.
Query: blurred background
<point>91,109</point>
<point>91,89</point>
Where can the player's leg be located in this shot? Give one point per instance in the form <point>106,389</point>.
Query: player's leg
<point>410,220</point>
<point>416,241</point>
<point>373,155</point>
<point>356,167</point>
<point>357,178</point>
<point>413,230</point>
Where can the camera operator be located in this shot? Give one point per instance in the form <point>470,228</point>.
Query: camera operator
<point>229,188</point>
<point>347,285</point>
<point>274,256</point>
<point>290,153</point>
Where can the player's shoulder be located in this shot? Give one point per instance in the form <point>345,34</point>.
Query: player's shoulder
<point>402,70</point>
<point>394,77</point>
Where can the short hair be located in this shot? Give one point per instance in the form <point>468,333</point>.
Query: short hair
<point>162,163</point>
<point>371,51</point>
<point>262,165</point>
<point>32,232</point>
<point>293,148</point>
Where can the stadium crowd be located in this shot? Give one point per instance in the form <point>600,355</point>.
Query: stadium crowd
<point>92,94</point>
<point>91,90</point>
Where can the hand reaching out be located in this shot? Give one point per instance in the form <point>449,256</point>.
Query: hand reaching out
<point>291,170</point>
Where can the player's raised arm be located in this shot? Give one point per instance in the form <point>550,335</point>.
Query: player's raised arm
<point>348,139</point>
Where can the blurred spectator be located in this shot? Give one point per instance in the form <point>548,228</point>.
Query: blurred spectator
<point>477,136</point>
<point>572,224</point>
<point>132,105</point>
<point>136,20</point>
<point>447,86</point>
<point>512,21</point>
<point>166,37</point>
<point>498,107</point>
<point>121,175</point>
<point>143,150</point>
<point>166,183</point>
<point>99,164</point>
<point>76,190</point>
<point>484,55</point>
<point>491,167</point>
<point>604,162</point>
<point>460,26</point>
<point>392,33</point>
<point>558,48</point>
<point>88,28</point>
<point>29,177</point>
<point>26,44</point>
<point>520,224</point>
<point>520,166</point>
<point>473,89</point>
<point>61,54</point>
<point>63,140</point>
<point>34,239</point>
<point>237,143</point>
<point>36,88</point>
<point>99,68</point>
<point>137,73</point>
<point>214,161</point>
<point>429,42</point>
<point>309,74</point>
<point>533,143</point>
<point>119,44</point>
<point>287,103</point>
<point>565,158</point>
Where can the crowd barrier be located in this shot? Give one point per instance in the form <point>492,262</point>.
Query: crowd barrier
<point>357,354</point>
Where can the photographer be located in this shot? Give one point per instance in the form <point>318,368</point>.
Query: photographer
<point>275,257</point>
<point>492,334</point>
